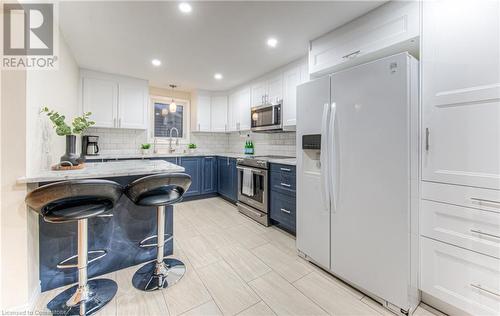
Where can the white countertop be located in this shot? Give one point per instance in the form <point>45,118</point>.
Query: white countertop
<point>105,170</point>
<point>285,161</point>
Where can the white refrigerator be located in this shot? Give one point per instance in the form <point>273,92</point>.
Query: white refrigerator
<point>357,177</point>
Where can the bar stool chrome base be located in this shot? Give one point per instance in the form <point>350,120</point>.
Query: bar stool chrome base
<point>156,276</point>
<point>98,293</point>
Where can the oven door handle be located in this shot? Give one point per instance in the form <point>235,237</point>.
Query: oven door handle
<point>254,170</point>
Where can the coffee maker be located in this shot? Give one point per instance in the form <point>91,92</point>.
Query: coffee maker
<point>90,145</point>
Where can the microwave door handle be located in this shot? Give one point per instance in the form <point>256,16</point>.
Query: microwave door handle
<point>325,192</point>
<point>332,156</point>
<point>97,148</point>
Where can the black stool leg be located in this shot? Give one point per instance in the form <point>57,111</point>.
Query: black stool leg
<point>163,272</point>
<point>87,297</point>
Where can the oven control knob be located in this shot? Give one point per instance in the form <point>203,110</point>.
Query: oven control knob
<point>262,163</point>
<point>239,160</point>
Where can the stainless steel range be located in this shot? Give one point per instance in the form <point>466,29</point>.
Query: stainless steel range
<point>253,183</point>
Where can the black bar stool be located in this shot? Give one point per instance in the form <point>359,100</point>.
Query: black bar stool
<point>158,190</point>
<point>78,200</point>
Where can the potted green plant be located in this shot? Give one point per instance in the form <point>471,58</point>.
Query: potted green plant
<point>79,125</point>
<point>145,148</point>
<point>192,148</point>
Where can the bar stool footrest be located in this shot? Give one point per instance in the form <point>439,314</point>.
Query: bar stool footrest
<point>158,275</point>
<point>66,265</point>
<point>101,291</point>
<point>143,243</point>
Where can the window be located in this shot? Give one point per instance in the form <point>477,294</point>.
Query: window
<point>164,121</point>
<point>169,122</point>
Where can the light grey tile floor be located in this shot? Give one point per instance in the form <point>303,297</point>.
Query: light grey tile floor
<point>237,267</point>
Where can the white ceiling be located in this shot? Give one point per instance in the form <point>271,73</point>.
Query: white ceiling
<point>225,37</point>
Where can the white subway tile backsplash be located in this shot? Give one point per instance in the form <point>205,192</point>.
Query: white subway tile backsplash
<point>124,141</point>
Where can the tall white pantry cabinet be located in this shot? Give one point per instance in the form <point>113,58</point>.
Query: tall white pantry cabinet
<point>460,188</point>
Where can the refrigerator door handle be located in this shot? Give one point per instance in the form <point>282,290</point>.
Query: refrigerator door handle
<point>332,158</point>
<point>325,187</point>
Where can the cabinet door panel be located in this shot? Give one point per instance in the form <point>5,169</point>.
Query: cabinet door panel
<point>258,93</point>
<point>233,112</point>
<point>244,109</point>
<point>203,115</point>
<point>291,80</point>
<point>100,97</point>
<point>132,110</point>
<point>209,170</point>
<point>461,93</point>
<point>275,89</point>
<point>193,168</point>
<point>219,113</point>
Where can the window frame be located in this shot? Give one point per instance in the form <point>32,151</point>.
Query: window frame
<point>185,120</point>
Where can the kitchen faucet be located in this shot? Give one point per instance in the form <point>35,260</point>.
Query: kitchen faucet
<point>170,149</point>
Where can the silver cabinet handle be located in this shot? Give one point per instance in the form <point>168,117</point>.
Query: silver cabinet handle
<point>199,128</point>
<point>114,122</point>
<point>479,287</point>
<point>484,200</point>
<point>209,157</point>
<point>351,55</point>
<point>427,139</point>
<point>477,231</point>
<point>120,122</point>
<point>285,184</point>
<point>285,211</point>
<point>285,169</point>
<point>227,161</point>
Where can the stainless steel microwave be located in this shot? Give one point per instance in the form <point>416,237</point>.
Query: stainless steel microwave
<point>267,118</point>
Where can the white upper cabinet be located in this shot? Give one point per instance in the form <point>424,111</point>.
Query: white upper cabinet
<point>291,79</point>
<point>268,90</point>
<point>239,110</point>
<point>258,92</point>
<point>275,88</point>
<point>461,93</point>
<point>115,101</point>
<point>233,112</point>
<point>219,113</point>
<point>244,98</point>
<point>132,96</point>
<point>391,28</point>
<point>100,97</point>
<point>201,112</point>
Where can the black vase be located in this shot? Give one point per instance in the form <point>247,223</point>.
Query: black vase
<point>70,156</point>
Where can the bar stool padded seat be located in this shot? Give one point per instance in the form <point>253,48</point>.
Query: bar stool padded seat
<point>78,200</point>
<point>158,189</point>
<point>74,200</point>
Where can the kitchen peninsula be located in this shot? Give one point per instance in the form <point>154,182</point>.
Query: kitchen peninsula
<point>119,234</point>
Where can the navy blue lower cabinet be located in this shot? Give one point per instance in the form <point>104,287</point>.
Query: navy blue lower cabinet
<point>192,166</point>
<point>282,196</point>
<point>209,175</point>
<point>227,176</point>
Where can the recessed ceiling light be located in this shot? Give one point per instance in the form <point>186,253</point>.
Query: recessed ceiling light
<point>272,42</point>
<point>218,76</point>
<point>156,62</point>
<point>185,7</point>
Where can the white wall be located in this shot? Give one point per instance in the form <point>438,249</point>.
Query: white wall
<point>14,237</point>
<point>59,90</point>
<point>28,144</point>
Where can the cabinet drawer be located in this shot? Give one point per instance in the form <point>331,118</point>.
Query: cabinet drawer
<point>283,210</point>
<point>465,227</point>
<point>286,169</point>
<point>484,199</point>
<point>462,278</point>
<point>284,183</point>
